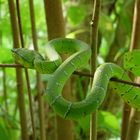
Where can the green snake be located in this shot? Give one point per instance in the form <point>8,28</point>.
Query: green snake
<point>80,54</point>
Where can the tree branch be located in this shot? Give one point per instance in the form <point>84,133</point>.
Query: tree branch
<point>76,73</point>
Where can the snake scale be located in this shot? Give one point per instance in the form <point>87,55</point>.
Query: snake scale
<point>80,54</point>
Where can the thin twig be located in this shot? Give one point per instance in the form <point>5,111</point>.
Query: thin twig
<point>94,48</point>
<point>19,24</point>
<point>11,66</point>
<point>134,117</point>
<point>19,78</point>
<point>78,73</point>
<point>26,71</point>
<point>30,104</point>
<point>38,77</point>
<point>112,79</point>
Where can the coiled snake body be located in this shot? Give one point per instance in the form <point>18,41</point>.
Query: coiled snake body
<point>61,71</point>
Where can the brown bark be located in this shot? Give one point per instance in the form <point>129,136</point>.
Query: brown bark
<point>19,78</point>
<point>94,47</point>
<point>125,121</point>
<point>134,124</point>
<point>56,28</point>
<point>38,77</point>
<point>26,71</point>
<point>135,42</point>
<point>54,19</point>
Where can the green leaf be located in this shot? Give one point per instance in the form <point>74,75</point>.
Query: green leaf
<point>84,123</point>
<point>108,122</point>
<point>132,62</point>
<point>3,134</point>
<point>124,9</point>
<point>106,28</point>
<point>76,14</point>
<point>8,132</point>
<point>73,34</point>
<point>6,55</point>
<point>65,1</point>
<point>120,53</point>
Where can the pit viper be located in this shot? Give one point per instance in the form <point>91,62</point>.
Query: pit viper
<point>79,55</point>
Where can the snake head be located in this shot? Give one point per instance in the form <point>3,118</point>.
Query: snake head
<point>25,57</point>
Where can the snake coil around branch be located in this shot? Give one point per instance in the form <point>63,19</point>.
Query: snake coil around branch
<point>80,54</point>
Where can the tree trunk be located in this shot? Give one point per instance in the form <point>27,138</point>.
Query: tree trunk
<point>19,78</point>
<point>39,83</point>
<point>134,123</point>
<point>56,28</point>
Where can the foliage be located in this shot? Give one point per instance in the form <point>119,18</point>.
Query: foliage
<point>8,127</point>
<point>131,62</point>
<point>107,122</point>
<point>80,13</point>
<point>114,28</point>
<point>6,55</point>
